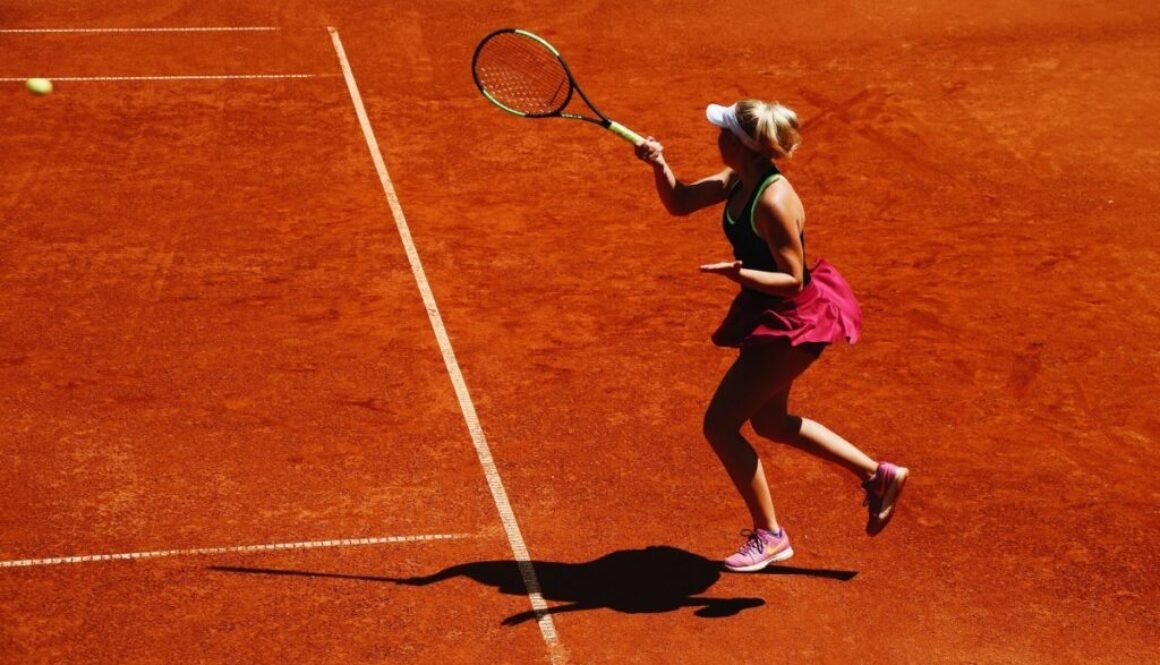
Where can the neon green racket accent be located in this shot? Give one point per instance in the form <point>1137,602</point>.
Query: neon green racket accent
<point>491,98</point>
<point>625,133</point>
<point>539,39</point>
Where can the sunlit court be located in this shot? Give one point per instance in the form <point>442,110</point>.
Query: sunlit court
<point>313,350</point>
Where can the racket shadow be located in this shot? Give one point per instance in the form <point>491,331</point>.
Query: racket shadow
<point>651,580</point>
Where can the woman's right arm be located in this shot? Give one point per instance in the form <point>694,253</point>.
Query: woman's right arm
<point>680,198</point>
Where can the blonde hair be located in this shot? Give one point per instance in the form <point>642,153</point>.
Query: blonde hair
<point>773,125</point>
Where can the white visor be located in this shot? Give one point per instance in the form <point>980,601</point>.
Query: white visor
<point>726,118</point>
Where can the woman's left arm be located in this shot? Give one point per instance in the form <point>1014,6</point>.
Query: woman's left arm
<point>775,223</point>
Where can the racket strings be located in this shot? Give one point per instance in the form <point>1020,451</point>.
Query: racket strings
<point>522,74</point>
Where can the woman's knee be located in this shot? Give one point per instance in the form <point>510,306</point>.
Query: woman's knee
<point>777,427</point>
<point>718,428</point>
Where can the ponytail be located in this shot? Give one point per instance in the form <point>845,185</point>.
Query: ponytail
<point>773,125</point>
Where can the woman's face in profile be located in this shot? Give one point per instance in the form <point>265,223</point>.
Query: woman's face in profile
<point>727,145</point>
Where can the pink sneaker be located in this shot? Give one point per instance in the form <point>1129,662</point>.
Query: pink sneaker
<point>882,492</point>
<point>761,548</point>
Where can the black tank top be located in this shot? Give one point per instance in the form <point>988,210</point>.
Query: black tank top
<point>748,247</point>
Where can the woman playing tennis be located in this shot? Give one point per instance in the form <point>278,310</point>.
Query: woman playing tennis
<point>781,320</point>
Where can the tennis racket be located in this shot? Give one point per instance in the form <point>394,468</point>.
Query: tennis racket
<point>525,75</point>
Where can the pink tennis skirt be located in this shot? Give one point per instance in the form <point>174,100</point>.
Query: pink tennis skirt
<point>825,312</point>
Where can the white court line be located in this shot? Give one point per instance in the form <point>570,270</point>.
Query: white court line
<point>203,551</point>
<point>498,494</point>
<point>191,77</point>
<point>256,28</point>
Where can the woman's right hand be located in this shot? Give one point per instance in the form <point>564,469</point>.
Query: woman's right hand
<point>651,152</point>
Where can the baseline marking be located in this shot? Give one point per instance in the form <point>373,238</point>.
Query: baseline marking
<point>192,77</point>
<point>498,493</point>
<point>257,28</point>
<point>203,551</point>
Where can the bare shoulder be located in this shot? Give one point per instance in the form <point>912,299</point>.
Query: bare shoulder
<point>781,191</point>
<point>780,208</point>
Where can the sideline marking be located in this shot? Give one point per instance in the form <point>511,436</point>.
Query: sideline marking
<point>257,28</point>
<point>202,551</point>
<point>498,493</point>
<point>191,77</point>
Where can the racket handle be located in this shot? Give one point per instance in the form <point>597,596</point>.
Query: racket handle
<point>625,133</point>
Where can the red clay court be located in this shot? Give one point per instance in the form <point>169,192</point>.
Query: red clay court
<point>309,354</point>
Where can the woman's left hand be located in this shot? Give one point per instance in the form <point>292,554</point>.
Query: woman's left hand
<point>730,269</point>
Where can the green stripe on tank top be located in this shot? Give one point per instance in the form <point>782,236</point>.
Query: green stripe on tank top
<point>753,208</point>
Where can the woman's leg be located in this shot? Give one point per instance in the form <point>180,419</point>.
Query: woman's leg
<point>883,482</point>
<point>759,374</point>
<point>773,421</point>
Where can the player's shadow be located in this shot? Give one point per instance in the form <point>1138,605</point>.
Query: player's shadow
<point>651,580</point>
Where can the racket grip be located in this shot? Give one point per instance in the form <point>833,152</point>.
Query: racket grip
<point>625,133</point>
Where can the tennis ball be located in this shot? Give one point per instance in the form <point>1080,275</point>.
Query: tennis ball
<point>39,86</point>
